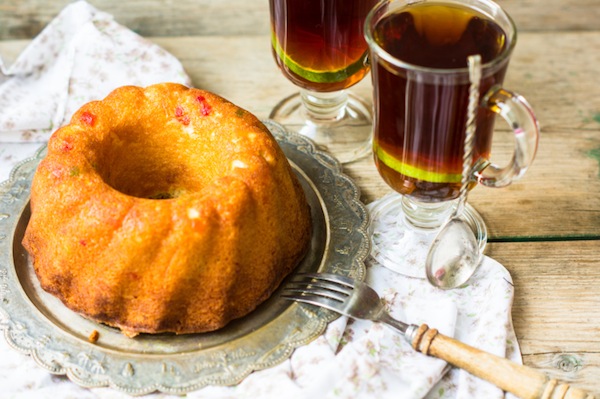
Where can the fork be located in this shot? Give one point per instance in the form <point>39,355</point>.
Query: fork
<point>357,300</point>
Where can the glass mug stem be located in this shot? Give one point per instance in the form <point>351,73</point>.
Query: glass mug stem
<point>519,115</point>
<point>425,215</point>
<point>324,107</point>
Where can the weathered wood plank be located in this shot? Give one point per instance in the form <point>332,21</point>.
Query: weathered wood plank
<point>554,15</point>
<point>556,306</point>
<point>24,19</point>
<point>559,196</point>
<point>579,369</point>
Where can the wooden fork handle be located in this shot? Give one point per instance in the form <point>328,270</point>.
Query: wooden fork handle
<point>522,381</point>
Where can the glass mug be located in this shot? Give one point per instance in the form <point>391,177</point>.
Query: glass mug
<point>421,85</point>
<point>319,46</point>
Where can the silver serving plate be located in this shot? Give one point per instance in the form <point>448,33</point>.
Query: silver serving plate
<point>38,324</point>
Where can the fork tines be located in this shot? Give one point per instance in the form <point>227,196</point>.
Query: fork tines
<point>308,287</point>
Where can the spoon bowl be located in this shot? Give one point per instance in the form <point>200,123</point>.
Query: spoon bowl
<point>454,255</point>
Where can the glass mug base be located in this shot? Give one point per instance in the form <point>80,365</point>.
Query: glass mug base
<point>340,122</point>
<point>402,247</point>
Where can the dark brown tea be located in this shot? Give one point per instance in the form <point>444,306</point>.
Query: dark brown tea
<point>421,113</point>
<point>319,44</point>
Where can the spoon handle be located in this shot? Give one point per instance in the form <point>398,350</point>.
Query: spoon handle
<point>474,62</point>
<point>522,381</point>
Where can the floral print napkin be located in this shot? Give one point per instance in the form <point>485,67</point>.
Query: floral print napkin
<point>82,55</point>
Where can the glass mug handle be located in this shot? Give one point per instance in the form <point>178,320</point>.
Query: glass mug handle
<point>518,113</point>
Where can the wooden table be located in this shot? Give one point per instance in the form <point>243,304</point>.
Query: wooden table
<point>545,229</point>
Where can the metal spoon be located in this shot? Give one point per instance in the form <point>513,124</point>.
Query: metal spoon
<point>454,253</point>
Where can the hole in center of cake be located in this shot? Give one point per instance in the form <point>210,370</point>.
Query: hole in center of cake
<point>159,163</point>
<point>149,184</point>
<point>147,172</point>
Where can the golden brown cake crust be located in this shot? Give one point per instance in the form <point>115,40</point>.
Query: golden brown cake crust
<point>165,209</point>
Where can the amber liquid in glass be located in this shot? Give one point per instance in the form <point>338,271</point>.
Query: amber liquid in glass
<point>319,44</point>
<point>420,121</point>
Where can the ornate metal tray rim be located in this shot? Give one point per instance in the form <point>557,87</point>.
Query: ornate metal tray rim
<point>88,365</point>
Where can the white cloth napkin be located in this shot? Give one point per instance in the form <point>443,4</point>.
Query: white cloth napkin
<point>81,56</point>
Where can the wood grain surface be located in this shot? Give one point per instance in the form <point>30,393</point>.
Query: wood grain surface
<point>23,19</point>
<point>545,229</point>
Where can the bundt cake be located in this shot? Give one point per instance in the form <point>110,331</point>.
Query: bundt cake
<point>165,209</point>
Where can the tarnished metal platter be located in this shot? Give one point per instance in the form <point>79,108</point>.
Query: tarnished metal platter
<point>36,323</point>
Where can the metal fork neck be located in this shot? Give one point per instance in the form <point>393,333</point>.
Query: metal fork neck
<point>396,325</point>
<point>408,330</point>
